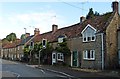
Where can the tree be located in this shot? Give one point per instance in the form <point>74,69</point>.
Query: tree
<point>22,36</point>
<point>45,53</point>
<point>26,50</point>
<point>11,37</point>
<point>63,48</point>
<point>90,13</point>
<point>96,13</point>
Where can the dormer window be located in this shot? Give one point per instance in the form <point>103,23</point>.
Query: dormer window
<point>61,38</point>
<point>88,34</point>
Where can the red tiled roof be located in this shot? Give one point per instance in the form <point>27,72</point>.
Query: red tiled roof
<point>98,22</point>
<point>11,45</point>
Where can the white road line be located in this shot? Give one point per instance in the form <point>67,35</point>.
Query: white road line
<point>60,73</point>
<point>13,73</point>
<point>61,76</point>
<point>43,71</point>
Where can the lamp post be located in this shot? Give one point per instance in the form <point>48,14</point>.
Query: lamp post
<point>39,58</point>
<point>25,35</point>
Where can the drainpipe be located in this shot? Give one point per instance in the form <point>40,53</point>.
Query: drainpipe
<point>102,51</point>
<point>71,58</point>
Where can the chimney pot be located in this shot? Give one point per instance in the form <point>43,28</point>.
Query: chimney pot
<point>27,34</point>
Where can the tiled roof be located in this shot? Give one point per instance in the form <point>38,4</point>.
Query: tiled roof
<point>98,22</point>
<point>11,45</point>
<point>23,41</point>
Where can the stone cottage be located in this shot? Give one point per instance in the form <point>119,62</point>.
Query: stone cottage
<point>94,42</point>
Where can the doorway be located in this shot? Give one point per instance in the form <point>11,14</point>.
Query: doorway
<point>75,59</point>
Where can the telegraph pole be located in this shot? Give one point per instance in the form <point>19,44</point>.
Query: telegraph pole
<point>44,42</point>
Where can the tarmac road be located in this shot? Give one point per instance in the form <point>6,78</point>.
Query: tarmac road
<point>15,70</point>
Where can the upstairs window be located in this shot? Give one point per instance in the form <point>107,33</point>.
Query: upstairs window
<point>61,38</point>
<point>88,34</point>
<point>44,43</point>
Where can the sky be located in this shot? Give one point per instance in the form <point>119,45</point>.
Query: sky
<point>15,16</point>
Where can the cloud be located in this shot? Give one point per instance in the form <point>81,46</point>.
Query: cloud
<point>43,20</point>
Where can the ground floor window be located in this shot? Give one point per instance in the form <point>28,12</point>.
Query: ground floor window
<point>60,56</point>
<point>89,54</point>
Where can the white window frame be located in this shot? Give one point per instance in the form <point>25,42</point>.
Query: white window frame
<point>60,40</point>
<point>18,48</point>
<point>61,57</point>
<point>45,42</point>
<point>94,38</point>
<point>92,55</point>
<point>86,35</point>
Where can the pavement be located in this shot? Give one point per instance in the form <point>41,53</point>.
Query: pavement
<point>78,72</point>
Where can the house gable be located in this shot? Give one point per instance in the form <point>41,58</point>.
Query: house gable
<point>88,33</point>
<point>88,27</point>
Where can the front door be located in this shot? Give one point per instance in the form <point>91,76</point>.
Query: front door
<point>75,57</point>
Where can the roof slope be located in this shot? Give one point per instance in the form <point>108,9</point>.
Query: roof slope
<point>98,22</point>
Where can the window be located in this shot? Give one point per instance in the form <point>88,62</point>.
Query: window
<point>60,40</point>
<point>89,54</point>
<point>44,42</point>
<point>88,34</point>
<point>89,37</point>
<point>18,48</point>
<point>60,57</point>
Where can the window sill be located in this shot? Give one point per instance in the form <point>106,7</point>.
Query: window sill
<point>59,60</point>
<point>88,41</point>
<point>89,59</point>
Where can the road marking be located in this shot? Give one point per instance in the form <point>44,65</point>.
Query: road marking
<point>13,73</point>
<point>60,73</point>
<point>43,71</point>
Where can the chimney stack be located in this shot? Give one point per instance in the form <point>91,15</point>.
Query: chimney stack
<point>54,28</point>
<point>82,18</point>
<point>115,6</point>
<point>27,34</point>
<point>36,31</point>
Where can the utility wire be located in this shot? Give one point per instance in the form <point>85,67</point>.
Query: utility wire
<point>73,5</point>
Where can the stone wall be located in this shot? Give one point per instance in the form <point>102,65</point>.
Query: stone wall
<point>76,44</point>
<point>111,43</point>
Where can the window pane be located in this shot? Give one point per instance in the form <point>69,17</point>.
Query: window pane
<point>92,53</point>
<point>58,56</point>
<point>54,56</point>
<point>89,38</point>
<point>93,38</point>
<point>88,54</point>
<point>84,39</point>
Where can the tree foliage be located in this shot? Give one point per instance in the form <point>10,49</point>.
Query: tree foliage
<point>22,36</point>
<point>96,13</point>
<point>91,14</point>
<point>48,50</point>
<point>26,50</point>
<point>63,48</point>
<point>11,37</point>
